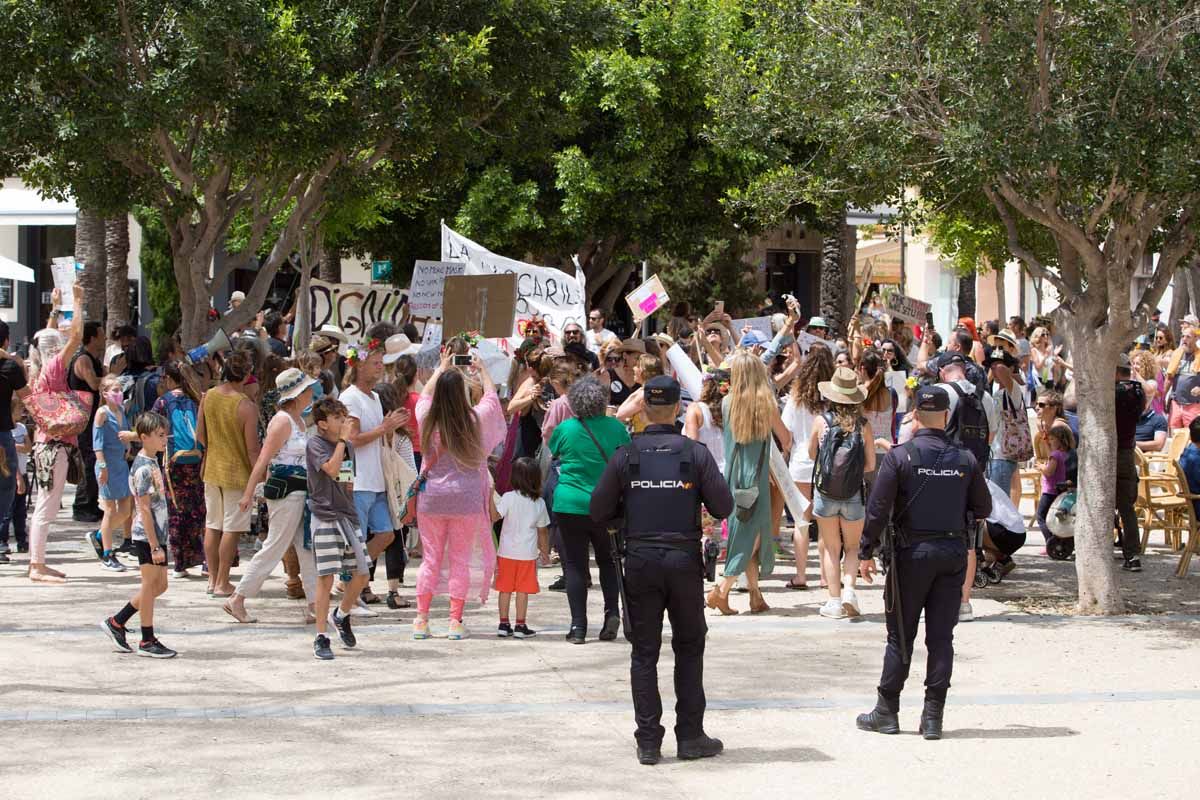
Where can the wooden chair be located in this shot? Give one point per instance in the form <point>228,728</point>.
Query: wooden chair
<point>1193,527</point>
<point>1159,504</point>
<point>1177,444</point>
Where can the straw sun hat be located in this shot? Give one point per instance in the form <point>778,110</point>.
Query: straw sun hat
<point>843,388</point>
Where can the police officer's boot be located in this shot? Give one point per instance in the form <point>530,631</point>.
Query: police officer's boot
<point>884,718</point>
<point>649,755</point>
<point>931,717</point>
<point>703,746</point>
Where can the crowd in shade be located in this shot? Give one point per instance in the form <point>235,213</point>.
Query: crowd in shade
<point>348,461</point>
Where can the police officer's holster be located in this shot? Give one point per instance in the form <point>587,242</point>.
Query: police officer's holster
<point>664,572</point>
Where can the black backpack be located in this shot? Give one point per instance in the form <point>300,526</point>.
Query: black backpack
<point>841,461</point>
<point>968,425</point>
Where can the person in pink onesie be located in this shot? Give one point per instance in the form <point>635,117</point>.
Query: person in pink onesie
<point>452,507</point>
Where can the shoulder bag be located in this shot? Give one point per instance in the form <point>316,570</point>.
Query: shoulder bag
<point>745,500</point>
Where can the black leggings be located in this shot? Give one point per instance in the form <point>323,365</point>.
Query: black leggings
<point>578,530</point>
<point>1042,510</point>
<point>395,557</point>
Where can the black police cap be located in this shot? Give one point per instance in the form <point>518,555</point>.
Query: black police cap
<point>932,398</point>
<point>661,391</point>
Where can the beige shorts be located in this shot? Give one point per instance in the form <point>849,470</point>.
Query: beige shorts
<point>221,512</point>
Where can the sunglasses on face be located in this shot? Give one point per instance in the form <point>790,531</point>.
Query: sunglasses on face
<point>569,334</point>
<point>1047,405</point>
<point>612,360</point>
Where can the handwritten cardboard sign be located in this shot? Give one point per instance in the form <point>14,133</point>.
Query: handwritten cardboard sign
<point>484,303</point>
<point>647,298</point>
<point>760,324</point>
<point>429,285</point>
<point>805,341</point>
<point>908,308</point>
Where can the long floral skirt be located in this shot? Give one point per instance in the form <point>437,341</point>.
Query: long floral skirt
<point>186,516</point>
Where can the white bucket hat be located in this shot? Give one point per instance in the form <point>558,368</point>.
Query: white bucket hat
<point>396,346</point>
<point>292,382</point>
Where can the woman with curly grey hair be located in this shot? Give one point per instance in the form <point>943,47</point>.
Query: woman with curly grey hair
<point>583,446</point>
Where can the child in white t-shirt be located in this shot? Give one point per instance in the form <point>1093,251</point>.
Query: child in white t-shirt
<point>524,536</point>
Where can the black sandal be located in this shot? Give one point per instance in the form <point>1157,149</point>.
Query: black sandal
<point>800,587</point>
<point>395,602</point>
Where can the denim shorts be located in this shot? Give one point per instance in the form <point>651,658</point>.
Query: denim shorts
<point>851,510</point>
<point>373,513</point>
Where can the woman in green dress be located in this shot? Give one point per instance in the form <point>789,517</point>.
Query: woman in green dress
<point>750,414</point>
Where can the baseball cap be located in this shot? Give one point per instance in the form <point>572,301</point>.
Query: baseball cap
<point>949,359</point>
<point>661,390</point>
<point>932,398</point>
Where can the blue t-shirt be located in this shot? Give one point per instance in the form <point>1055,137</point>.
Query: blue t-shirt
<point>1148,424</point>
<point>1189,460</point>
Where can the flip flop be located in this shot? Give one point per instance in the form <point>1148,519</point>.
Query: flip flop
<point>244,618</point>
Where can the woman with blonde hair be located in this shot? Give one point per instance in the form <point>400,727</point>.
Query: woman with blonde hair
<point>840,516</point>
<point>750,414</point>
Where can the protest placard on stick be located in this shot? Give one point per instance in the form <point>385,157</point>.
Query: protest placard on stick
<point>484,303</point>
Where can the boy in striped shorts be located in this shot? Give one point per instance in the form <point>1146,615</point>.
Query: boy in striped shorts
<point>337,546</point>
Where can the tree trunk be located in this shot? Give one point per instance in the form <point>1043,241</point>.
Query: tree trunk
<point>837,276</point>
<point>1181,297</point>
<point>89,248</point>
<point>1001,311</point>
<point>116,246</point>
<point>966,296</point>
<point>1094,356</point>
<point>329,268</point>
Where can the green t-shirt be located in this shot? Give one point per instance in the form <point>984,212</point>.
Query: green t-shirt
<point>580,462</point>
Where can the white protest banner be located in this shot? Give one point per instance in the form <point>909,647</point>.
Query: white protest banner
<point>62,270</point>
<point>908,308</point>
<point>555,296</point>
<point>897,379</point>
<point>760,324</point>
<point>646,299</point>
<point>432,337</point>
<point>429,286</point>
<point>354,307</point>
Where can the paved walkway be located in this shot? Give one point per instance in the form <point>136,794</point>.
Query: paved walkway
<point>1042,705</point>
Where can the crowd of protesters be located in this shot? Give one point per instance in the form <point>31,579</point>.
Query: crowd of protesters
<point>344,456</point>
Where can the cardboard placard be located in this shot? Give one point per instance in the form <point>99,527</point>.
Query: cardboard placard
<point>484,303</point>
<point>805,340</point>
<point>429,285</point>
<point>907,308</point>
<point>63,271</point>
<point>897,380</point>
<point>760,324</point>
<point>647,298</point>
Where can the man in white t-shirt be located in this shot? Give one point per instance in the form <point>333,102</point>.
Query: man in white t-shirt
<point>597,335</point>
<point>1009,399</point>
<point>367,426</point>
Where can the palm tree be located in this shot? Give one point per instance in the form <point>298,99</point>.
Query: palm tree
<point>116,245</point>
<point>837,273</point>
<point>329,268</point>
<point>966,295</point>
<point>89,248</point>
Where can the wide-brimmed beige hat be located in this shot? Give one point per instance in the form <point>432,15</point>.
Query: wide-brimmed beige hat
<point>632,346</point>
<point>396,346</point>
<point>1004,339</point>
<point>844,388</point>
<point>292,382</point>
<point>334,332</point>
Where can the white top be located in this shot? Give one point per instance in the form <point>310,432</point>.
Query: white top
<point>295,449</point>
<point>596,340</point>
<point>1016,400</point>
<point>522,518</point>
<point>799,421</point>
<point>368,459</point>
<point>712,437</point>
<point>19,434</point>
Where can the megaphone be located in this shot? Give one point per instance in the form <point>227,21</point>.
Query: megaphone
<point>219,343</point>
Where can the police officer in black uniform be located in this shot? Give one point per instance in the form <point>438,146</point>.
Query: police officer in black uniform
<point>926,489</point>
<point>660,479</point>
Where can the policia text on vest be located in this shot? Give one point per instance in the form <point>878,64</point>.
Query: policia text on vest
<point>657,484</point>
<point>929,490</point>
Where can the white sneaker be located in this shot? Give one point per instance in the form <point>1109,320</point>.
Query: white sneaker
<point>361,609</point>
<point>833,609</point>
<point>849,602</point>
<point>966,613</point>
<point>180,574</point>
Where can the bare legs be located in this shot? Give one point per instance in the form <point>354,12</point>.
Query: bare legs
<point>835,532</point>
<point>116,512</point>
<point>800,538</point>
<point>220,548</point>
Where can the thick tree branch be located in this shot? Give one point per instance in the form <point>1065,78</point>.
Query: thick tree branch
<point>1032,262</point>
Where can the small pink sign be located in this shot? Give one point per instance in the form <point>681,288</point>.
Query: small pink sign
<point>650,304</point>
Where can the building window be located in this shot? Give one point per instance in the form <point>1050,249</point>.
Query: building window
<point>6,293</point>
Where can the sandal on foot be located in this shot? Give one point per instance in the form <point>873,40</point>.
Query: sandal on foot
<point>243,618</point>
<point>791,584</point>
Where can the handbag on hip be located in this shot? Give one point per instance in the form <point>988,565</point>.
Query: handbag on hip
<point>745,500</point>
<point>60,414</point>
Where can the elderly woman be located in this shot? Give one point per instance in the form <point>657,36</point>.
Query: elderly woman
<point>583,445</point>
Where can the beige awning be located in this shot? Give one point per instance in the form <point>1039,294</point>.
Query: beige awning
<point>883,258</point>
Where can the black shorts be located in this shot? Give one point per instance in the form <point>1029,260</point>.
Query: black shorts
<point>142,551</point>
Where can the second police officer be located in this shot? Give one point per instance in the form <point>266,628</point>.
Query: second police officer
<point>660,480</point>
<point>930,490</point>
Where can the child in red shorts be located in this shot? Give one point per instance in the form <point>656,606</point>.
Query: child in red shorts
<point>524,535</point>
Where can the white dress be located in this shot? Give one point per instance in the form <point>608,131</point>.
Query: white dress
<point>712,437</point>
<point>799,421</point>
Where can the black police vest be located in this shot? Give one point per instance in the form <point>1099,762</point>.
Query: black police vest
<point>936,492</point>
<point>662,497</point>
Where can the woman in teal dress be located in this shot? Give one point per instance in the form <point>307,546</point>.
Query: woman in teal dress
<point>750,415</point>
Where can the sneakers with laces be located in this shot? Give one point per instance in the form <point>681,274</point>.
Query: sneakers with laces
<point>457,630</point>
<point>850,602</point>
<point>155,649</point>
<point>559,584</point>
<point>117,634</point>
<point>504,630</point>
<point>93,538</point>
<point>524,632</point>
<point>421,628</point>
<point>321,648</point>
<point>110,563</point>
<point>1132,564</point>
<point>361,609</point>
<point>833,609</point>
<point>965,612</point>
<point>345,633</point>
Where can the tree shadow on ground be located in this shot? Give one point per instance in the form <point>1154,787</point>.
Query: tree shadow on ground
<point>767,755</point>
<point>1011,732</point>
